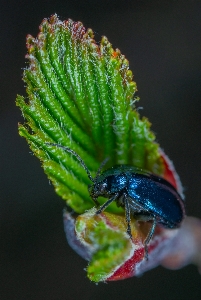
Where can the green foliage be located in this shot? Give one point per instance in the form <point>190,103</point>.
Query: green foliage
<point>110,246</point>
<point>81,95</point>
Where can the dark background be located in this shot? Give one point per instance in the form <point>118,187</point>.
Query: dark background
<point>162,40</point>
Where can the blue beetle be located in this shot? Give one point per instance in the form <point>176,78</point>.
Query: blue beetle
<point>145,196</point>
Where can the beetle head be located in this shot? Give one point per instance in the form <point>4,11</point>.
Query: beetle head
<point>99,188</point>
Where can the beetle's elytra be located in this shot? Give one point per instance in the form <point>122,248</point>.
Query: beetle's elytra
<point>145,196</point>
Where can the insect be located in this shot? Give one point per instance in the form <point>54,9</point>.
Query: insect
<point>145,196</point>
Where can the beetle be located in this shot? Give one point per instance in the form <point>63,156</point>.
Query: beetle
<point>145,196</point>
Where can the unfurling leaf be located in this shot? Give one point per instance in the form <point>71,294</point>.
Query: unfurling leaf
<point>81,94</point>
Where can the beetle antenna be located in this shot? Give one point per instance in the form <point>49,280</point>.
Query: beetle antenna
<point>100,168</point>
<point>76,155</point>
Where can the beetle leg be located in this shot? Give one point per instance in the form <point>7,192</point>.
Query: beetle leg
<point>148,238</point>
<point>106,204</point>
<point>128,217</point>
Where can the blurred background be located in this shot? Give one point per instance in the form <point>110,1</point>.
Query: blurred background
<point>162,41</point>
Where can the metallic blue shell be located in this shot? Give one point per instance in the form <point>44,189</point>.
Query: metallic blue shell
<point>149,193</point>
